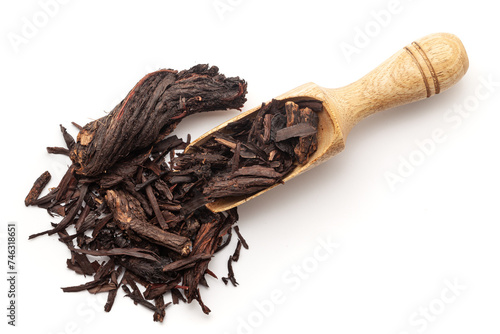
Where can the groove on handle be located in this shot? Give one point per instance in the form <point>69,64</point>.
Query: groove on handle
<point>420,70</point>
<point>420,53</point>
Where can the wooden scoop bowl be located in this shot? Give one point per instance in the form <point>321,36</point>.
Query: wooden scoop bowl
<point>424,68</point>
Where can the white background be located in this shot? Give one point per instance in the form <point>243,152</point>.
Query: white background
<point>399,249</point>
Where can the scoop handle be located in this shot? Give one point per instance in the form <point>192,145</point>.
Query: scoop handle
<point>420,70</point>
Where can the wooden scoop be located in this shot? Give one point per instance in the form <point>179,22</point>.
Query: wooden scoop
<point>424,68</point>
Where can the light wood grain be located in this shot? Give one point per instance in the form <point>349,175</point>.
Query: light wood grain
<point>420,70</point>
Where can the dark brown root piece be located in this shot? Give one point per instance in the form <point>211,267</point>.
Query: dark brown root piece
<point>37,188</point>
<point>128,212</point>
<point>307,144</point>
<point>251,155</point>
<point>230,276</point>
<point>234,258</point>
<point>240,237</point>
<point>144,216</point>
<point>128,207</point>
<point>154,106</point>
